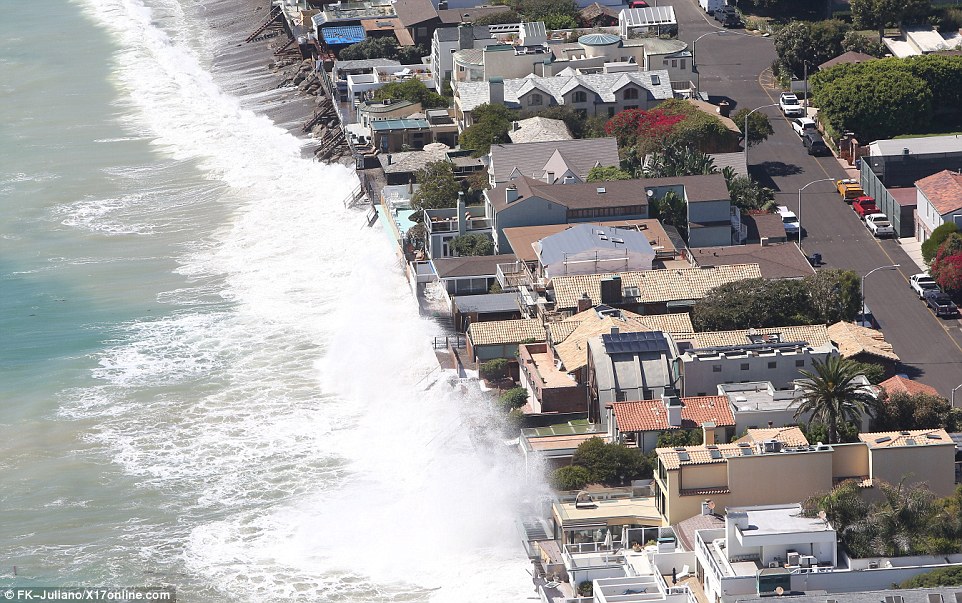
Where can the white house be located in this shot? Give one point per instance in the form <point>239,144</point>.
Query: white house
<point>939,200</point>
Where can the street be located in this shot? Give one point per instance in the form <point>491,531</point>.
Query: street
<point>734,66</point>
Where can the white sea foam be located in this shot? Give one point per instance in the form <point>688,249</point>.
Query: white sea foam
<point>285,425</point>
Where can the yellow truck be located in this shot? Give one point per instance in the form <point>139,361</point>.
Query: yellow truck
<point>849,189</point>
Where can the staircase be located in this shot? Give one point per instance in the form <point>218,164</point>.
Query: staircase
<point>275,14</point>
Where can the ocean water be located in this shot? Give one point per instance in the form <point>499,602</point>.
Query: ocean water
<point>212,376</point>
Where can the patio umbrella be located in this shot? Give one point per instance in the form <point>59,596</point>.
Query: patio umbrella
<point>608,540</point>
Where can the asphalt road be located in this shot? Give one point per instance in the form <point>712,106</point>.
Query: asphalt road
<point>735,66</point>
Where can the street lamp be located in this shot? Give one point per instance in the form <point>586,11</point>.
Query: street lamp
<point>694,64</point>
<point>799,215</point>
<point>747,115</point>
<point>952,397</point>
<point>861,311</point>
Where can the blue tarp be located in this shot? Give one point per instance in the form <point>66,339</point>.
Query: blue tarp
<point>347,34</point>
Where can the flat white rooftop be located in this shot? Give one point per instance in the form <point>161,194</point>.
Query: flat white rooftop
<point>785,519</point>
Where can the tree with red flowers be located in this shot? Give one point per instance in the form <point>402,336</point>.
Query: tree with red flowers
<point>628,126</point>
<point>946,269</point>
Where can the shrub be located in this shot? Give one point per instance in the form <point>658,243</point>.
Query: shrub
<point>472,244</point>
<point>514,421</point>
<point>516,397</point>
<point>611,464</point>
<point>586,588</point>
<point>875,373</point>
<point>572,477</point>
<point>931,245</point>
<point>944,576</point>
<point>494,370</point>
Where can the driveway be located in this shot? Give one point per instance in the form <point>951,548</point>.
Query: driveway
<point>734,66</point>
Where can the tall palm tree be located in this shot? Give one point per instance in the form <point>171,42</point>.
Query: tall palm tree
<point>832,396</point>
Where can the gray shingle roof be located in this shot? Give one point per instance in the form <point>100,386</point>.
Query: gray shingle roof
<point>529,158</point>
<point>481,265</point>
<point>451,34</point>
<point>604,85</point>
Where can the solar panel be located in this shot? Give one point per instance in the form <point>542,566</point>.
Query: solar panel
<point>683,457</point>
<point>747,452</point>
<point>634,343</point>
<point>716,454</point>
<point>910,442</point>
<point>933,436</point>
<point>882,440</point>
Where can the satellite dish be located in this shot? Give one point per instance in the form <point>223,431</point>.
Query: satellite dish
<point>779,591</point>
<point>821,515</point>
<point>650,193</point>
<point>711,505</point>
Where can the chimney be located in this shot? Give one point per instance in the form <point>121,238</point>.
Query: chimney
<point>462,214</point>
<point>496,91</point>
<point>584,303</point>
<point>465,37</point>
<point>672,407</point>
<point>411,186</point>
<point>614,330</point>
<point>389,160</point>
<point>708,433</point>
<point>511,194</point>
<point>771,424</point>
<point>515,126</point>
<point>764,241</point>
<point>442,4</point>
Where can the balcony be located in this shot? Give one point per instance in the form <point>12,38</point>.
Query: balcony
<point>513,276</point>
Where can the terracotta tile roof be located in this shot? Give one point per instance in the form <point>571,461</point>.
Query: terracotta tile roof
<point>896,439</point>
<point>499,332</point>
<point>654,286</point>
<point>685,530</point>
<point>903,385</point>
<point>790,436</point>
<point>570,336</point>
<point>650,415</point>
<point>697,455</point>
<point>853,340</point>
<point>813,335</point>
<point>943,190</point>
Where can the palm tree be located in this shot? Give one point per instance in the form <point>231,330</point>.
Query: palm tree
<point>832,396</point>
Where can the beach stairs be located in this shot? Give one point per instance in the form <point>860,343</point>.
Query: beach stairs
<point>275,16</point>
<point>355,197</point>
<point>286,48</point>
<point>332,143</point>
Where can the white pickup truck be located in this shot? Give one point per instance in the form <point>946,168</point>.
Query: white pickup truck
<point>789,221</point>
<point>879,225</point>
<point>922,282</point>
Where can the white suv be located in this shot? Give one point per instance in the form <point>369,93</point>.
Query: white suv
<point>804,125</point>
<point>789,105</point>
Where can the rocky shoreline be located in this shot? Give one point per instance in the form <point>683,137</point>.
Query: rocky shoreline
<point>284,87</point>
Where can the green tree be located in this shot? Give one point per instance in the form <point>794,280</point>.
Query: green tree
<point>879,14</point>
<point>437,187</point>
<point>844,507</point>
<point>371,48</point>
<point>857,42</point>
<point>759,127</point>
<point>944,576</point>
<point>472,244</point>
<point>611,464</point>
<point>746,194</point>
<point>900,410</point>
<point>752,303</point>
<point>875,373</point>
<point>831,395</point>
<point>940,235</point>
<point>494,370</point>
<point>679,437</point>
<point>491,126</point>
<point>676,160</point>
<point>834,295</point>
<point>671,209</point>
<point>601,173</point>
<point>570,477</point>
<point>498,18</point>
<point>412,90</point>
<point>802,42</point>
<point>516,397</point>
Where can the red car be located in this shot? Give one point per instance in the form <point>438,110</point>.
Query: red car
<point>637,4</point>
<point>864,206</point>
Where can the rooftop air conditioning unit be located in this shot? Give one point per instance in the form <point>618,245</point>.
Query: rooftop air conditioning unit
<point>807,561</point>
<point>793,559</point>
<point>772,446</point>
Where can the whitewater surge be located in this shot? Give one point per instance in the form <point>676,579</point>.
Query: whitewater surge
<point>279,406</point>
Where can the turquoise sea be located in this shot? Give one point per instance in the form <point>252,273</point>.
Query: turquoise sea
<point>210,371</point>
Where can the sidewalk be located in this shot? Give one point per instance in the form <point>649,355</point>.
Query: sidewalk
<point>913,249</point>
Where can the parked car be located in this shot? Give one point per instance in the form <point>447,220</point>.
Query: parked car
<point>727,16</point>
<point>849,189</point>
<point>922,282</point>
<point>637,4</point>
<point>789,221</point>
<point>803,125</point>
<point>710,6</point>
<point>815,145</point>
<point>940,303</point>
<point>864,206</point>
<point>879,225</point>
<point>789,104</point>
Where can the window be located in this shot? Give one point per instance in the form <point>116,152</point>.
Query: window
<point>656,80</point>
<point>630,107</point>
<point>674,63</point>
<point>621,396</point>
<point>536,99</point>
<point>744,366</point>
<point>772,365</point>
<point>550,177</point>
<point>716,368</point>
<point>800,363</point>
<point>682,63</point>
<point>665,61</point>
<point>632,93</point>
<point>611,111</point>
<point>580,97</point>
